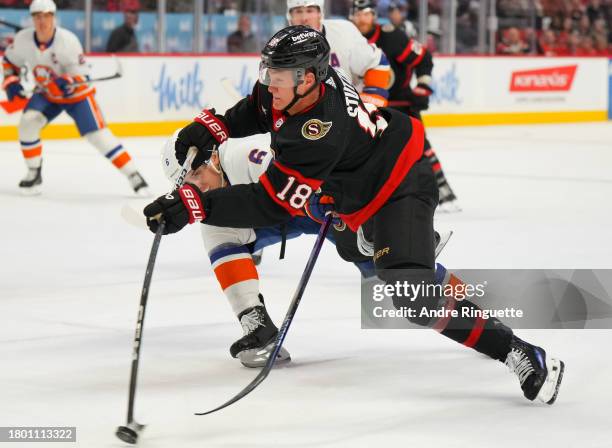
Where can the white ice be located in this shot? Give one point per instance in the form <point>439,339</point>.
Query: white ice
<point>71,275</point>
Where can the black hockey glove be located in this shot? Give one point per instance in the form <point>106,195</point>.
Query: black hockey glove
<point>419,96</point>
<point>178,208</point>
<point>205,133</point>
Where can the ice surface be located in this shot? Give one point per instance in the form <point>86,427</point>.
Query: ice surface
<point>72,269</point>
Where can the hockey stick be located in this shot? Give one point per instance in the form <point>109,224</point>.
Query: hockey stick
<point>282,332</point>
<point>231,90</point>
<point>118,74</point>
<point>11,25</point>
<point>18,103</point>
<point>129,433</point>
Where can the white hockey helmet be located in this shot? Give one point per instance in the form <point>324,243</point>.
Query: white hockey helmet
<point>170,165</point>
<point>304,3</point>
<point>42,6</point>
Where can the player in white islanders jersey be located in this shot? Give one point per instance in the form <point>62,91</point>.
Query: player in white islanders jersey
<point>243,161</point>
<point>55,57</point>
<point>366,64</point>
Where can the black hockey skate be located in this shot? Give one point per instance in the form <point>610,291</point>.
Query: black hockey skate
<point>539,375</point>
<point>260,332</point>
<point>30,185</point>
<point>140,186</point>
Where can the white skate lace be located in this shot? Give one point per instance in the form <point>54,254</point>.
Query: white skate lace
<point>518,362</point>
<point>251,321</point>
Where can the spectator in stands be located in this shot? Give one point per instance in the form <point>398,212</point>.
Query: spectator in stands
<point>586,47</point>
<point>584,25</point>
<point>123,38</point>
<point>512,8</point>
<point>548,44</point>
<point>242,40</point>
<point>467,29</point>
<point>573,44</point>
<point>577,10</point>
<point>563,39</point>
<point>596,10</point>
<point>601,45</point>
<point>600,28</point>
<point>512,44</point>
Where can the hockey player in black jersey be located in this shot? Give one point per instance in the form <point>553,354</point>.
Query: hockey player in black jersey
<point>369,160</point>
<point>407,57</point>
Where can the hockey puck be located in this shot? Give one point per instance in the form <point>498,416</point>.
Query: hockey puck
<point>128,435</point>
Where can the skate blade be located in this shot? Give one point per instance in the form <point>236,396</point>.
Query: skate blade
<point>143,192</point>
<point>258,357</point>
<point>444,237</point>
<point>550,389</point>
<point>30,191</point>
<point>449,207</point>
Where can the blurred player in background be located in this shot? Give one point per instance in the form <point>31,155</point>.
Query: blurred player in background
<point>365,64</point>
<point>406,56</point>
<point>55,57</point>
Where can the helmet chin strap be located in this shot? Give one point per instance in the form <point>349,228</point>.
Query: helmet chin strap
<point>218,170</point>
<point>297,97</point>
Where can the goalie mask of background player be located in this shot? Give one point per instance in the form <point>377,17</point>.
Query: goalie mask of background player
<point>206,177</point>
<point>289,55</point>
<point>291,4</point>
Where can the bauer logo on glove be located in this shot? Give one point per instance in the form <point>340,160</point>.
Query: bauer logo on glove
<point>177,209</point>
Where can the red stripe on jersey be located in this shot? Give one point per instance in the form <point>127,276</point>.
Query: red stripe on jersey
<point>402,57</point>
<point>412,152</point>
<point>375,36</point>
<point>313,183</point>
<point>417,60</point>
<point>476,332</point>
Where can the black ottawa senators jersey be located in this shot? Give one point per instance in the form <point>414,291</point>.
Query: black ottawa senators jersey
<point>406,56</point>
<point>354,152</point>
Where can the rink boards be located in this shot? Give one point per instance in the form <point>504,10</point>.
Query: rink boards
<point>158,94</point>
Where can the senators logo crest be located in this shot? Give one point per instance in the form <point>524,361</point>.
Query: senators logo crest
<point>315,129</point>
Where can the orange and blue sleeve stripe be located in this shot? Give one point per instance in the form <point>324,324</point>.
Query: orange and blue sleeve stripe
<point>118,156</point>
<point>233,265</point>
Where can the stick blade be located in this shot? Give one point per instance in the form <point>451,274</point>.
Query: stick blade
<point>243,393</point>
